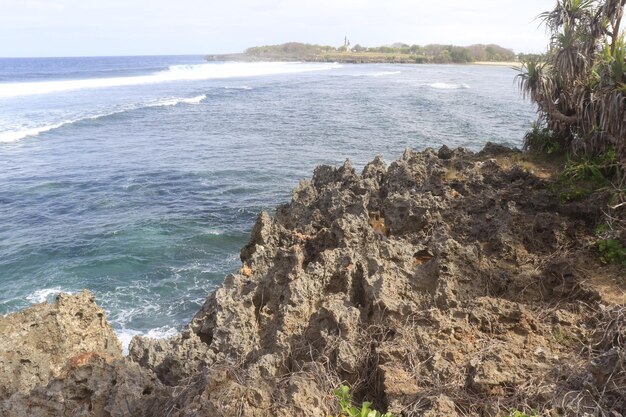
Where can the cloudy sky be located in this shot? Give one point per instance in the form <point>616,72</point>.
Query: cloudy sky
<point>146,27</point>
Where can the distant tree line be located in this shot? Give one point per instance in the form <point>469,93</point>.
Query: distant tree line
<point>446,53</point>
<point>434,53</point>
<point>521,57</point>
<point>290,49</point>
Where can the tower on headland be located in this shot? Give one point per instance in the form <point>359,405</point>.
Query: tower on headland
<point>346,44</point>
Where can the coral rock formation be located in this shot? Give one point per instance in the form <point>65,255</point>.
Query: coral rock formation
<point>447,283</point>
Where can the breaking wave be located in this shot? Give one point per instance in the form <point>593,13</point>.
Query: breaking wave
<point>45,294</point>
<point>15,135</point>
<point>175,101</point>
<point>173,73</point>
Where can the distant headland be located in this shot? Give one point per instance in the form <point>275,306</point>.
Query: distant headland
<point>398,53</point>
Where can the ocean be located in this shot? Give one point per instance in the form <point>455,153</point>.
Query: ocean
<point>140,178</point>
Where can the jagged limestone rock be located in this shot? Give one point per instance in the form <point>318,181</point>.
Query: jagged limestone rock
<point>447,283</point>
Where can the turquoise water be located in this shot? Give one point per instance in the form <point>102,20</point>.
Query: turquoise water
<point>140,178</point>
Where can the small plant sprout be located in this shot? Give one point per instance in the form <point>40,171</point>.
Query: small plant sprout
<point>348,410</point>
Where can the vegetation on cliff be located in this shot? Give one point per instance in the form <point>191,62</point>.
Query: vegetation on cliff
<point>580,85</point>
<point>399,53</point>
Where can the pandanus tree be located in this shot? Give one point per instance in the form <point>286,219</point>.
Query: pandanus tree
<point>580,86</point>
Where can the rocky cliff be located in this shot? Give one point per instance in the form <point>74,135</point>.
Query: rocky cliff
<point>445,284</point>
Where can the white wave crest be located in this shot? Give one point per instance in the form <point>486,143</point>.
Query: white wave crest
<point>175,101</point>
<point>449,86</point>
<point>126,335</point>
<point>44,295</point>
<point>173,73</point>
<point>15,135</point>
<point>241,87</point>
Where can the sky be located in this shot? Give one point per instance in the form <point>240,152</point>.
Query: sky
<point>37,28</point>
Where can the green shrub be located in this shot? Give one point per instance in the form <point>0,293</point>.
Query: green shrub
<point>584,175</point>
<point>612,251</point>
<point>348,410</point>
<point>542,140</point>
<point>602,229</point>
<point>573,194</point>
<point>600,168</point>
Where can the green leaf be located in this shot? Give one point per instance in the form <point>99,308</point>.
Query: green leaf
<point>343,395</point>
<point>345,401</point>
<point>365,409</point>
<point>354,412</point>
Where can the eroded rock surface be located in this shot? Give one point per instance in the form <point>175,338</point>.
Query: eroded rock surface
<point>447,283</point>
<point>37,343</point>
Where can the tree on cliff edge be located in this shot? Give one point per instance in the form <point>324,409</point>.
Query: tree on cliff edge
<point>580,87</point>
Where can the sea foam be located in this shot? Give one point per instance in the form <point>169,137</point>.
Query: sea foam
<point>126,335</point>
<point>45,294</point>
<point>173,73</point>
<point>175,101</point>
